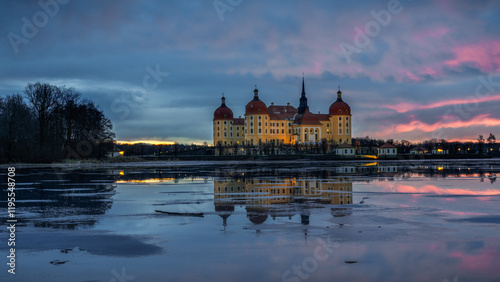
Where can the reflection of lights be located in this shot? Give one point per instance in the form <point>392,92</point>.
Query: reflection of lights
<point>122,172</point>
<point>440,168</point>
<point>121,153</point>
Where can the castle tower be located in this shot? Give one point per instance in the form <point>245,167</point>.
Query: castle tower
<point>256,121</point>
<point>340,118</point>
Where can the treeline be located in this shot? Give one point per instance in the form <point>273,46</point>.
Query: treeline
<point>483,146</point>
<point>50,123</point>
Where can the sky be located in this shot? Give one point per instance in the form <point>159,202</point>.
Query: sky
<point>410,70</point>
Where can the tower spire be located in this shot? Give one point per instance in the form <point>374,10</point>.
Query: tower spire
<point>303,100</point>
<point>339,95</point>
<point>223,99</point>
<point>256,93</point>
<point>303,86</point>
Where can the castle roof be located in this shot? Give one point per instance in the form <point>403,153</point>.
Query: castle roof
<point>307,118</point>
<point>281,112</point>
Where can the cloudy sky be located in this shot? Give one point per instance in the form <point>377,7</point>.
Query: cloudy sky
<point>409,70</point>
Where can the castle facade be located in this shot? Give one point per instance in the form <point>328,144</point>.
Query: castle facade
<point>282,124</point>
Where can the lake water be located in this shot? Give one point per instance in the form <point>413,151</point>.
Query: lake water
<point>262,221</point>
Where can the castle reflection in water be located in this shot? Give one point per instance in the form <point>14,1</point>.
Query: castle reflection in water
<point>268,197</point>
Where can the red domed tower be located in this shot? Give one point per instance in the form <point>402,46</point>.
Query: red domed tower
<point>223,120</point>
<point>223,112</point>
<point>340,117</point>
<point>256,120</point>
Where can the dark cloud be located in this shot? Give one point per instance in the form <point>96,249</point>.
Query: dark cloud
<point>431,51</point>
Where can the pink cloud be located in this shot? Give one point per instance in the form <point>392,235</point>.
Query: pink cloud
<point>485,56</point>
<point>405,107</point>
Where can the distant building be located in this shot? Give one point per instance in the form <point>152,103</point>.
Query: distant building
<point>115,152</point>
<point>387,151</point>
<point>419,150</point>
<point>345,150</point>
<point>439,150</point>
<point>280,124</point>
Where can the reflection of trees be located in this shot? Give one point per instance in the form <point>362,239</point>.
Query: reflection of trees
<point>65,204</point>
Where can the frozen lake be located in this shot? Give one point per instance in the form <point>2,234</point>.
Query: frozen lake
<point>262,221</point>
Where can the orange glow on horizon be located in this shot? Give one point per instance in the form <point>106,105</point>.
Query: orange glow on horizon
<point>153,142</point>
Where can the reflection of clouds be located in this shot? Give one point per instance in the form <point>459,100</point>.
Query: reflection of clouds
<point>433,189</point>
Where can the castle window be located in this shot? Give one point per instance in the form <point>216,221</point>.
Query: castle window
<point>251,117</point>
<point>251,124</point>
<point>251,130</point>
<point>282,131</point>
<point>327,125</point>
<point>347,131</point>
<point>282,124</point>
<point>260,123</point>
<point>289,131</point>
<point>237,134</point>
<point>340,111</point>
<point>225,122</point>
<point>225,134</point>
<point>218,122</point>
<point>340,118</point>
<point>340,131</point>
<point>259,110</point>
<point>260,117</point>
<point>218,134</point>
<point>347,118</point>
<point>346,125</point>
<point>225,116</point>
<point>260,131</point>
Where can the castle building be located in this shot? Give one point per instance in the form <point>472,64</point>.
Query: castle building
<point>282,124</point>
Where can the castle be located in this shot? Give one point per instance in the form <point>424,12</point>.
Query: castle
<point>281,124</point>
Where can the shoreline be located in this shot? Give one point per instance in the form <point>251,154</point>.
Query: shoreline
<point>231,160</point>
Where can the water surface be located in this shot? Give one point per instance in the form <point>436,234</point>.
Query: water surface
<point>267,221</point>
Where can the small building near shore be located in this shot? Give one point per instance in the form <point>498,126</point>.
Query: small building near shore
<point>115,152</point>
<point>419,150</point>
<point>345,151</point>
<point>387,151</point>
<point>439,150</point>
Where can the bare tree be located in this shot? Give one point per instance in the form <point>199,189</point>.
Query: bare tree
<point>43,98</point>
